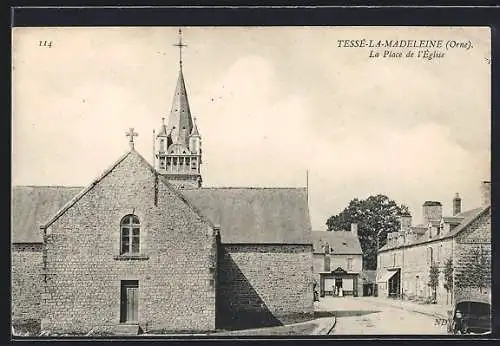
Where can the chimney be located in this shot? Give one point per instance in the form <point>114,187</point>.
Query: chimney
<point>457,205</point>
<point>432,210</point>
<point>405,220</point>
<point>354,228</point>
<point>485,193</point>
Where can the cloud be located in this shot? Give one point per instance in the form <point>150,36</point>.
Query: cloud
<point>270,104</point>
<point>258,135</point>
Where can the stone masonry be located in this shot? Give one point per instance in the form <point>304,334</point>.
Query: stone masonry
<point>176,267</point>
<point>477,237</point>
<point>263,284</point>
<point>414,261</point>
<point>26,281</point>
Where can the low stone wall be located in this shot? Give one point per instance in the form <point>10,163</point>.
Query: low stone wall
<point>263,285</point>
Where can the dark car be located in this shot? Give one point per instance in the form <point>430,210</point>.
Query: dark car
<point>471,317</point>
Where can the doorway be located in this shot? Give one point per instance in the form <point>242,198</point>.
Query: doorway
<point>129,301</point>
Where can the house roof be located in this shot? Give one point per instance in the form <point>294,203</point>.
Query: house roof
<point>467,217</point>
<point>256,215</point>
<point>369,276</point>
<point>33,205</point>
<point>340,242</point>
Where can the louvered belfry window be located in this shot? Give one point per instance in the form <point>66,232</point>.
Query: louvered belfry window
<point>130,234</point>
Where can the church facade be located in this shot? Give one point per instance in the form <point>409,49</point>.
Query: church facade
<point>146,247</point>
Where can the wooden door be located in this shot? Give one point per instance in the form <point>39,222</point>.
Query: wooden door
<point>129,301</point>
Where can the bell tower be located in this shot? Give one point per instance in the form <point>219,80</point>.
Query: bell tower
<point>178,143</point>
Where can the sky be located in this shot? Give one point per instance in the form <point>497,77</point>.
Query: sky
<point>270,103</point>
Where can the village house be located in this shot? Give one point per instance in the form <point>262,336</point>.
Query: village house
<point>146,247</point>
<point>404,262</point>
<point>338,262</point>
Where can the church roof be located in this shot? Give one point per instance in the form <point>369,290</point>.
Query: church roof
<point>256,215</point>
<point>340,242</point>
<point>180,121</point>
<point>39,206</point>
<point>245,215</point>
<point>33,205</point>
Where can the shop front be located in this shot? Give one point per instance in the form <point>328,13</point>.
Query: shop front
<point>389,283</point>
<point>339,283</point>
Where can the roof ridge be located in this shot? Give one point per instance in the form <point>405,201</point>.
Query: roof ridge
<point>85,190</point>
<point>109,170</point>
<point>468,220</point>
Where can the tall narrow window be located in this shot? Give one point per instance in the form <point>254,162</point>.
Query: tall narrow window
<point>349,263</point>
<point>430,259</point>
<point>130,234</point>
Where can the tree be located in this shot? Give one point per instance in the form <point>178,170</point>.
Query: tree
<point>374,214</point>
<point>434,279</point>
<point>448,277</point>
<point>475,269</point>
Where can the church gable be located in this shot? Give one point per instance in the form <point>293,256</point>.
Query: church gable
<point>131,185</point>
<point>127,227</point>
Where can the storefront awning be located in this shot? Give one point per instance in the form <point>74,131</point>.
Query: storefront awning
<point>386,276</point>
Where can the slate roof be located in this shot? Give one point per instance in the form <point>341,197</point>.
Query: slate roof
<point>246,215</point>
<point>33,205</point>
<point>256,215</point>
<point>180,114</point>
<point>369,276</point>
<point>340,242</point>
<point>37,206</point>
<point>467,217</point>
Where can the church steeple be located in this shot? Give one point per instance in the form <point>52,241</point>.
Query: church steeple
<point>180,122</point>
<point>178,156</point>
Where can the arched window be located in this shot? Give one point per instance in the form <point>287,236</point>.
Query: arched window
<point>430,259</point>
<point>130,231</point>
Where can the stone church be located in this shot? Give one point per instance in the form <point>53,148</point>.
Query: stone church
<point>149,248</point>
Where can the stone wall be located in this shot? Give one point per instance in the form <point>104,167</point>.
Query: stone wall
<point>176,268</point>
<point>26,281</point>
<point>263,285</point>
<point>416,268</point>
<point>472,260</point>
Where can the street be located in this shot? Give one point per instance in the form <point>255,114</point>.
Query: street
<point>369,316</point>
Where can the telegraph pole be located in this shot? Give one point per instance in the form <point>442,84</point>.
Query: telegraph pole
<point>307,186</point>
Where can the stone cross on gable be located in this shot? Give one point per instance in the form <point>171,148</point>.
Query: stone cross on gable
<point>131,134</point>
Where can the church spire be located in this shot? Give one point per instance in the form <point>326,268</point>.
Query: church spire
<point>195,132</point>
<point>180,121</point>
<point>178,156</point>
